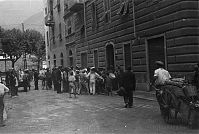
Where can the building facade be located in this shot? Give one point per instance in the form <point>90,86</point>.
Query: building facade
<point>54,33</point>
<point>136,33</point>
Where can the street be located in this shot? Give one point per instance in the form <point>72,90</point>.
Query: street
<point>48,112</point>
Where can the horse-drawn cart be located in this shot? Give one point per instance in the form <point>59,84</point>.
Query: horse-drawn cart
<point>179,99</point>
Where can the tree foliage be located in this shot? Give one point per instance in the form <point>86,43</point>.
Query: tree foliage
<point>15,43</point>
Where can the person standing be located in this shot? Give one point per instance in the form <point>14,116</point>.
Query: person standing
<point>25,81</point>
<point>12,82</point>
<point>48,77</point>
<point>57,82</point>
<point>36,79</point>
<point>92,80</point>
<point>72,87</point>
<point>129,84</point>
<point>3,90</point>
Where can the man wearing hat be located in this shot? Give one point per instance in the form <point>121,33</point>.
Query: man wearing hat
<point>160,75</point>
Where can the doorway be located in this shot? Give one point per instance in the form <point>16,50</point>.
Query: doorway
<point>156,52</point>
<point>127,55</point>
<point>84,60</point>
<point>110,64</point>
<point>70,58</point>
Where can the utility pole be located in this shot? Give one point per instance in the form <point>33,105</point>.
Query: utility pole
<point>24,56</point>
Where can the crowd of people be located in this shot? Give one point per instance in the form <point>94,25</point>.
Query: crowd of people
<point>77,81</point>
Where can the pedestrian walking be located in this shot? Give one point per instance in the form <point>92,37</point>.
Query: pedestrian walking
<point>129,84</point>
<point>3,90</point>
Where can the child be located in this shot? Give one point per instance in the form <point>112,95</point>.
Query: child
<point>71,80</point>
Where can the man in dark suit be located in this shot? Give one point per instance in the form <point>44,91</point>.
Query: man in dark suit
<point>36,79</point>
<point>129,84</point>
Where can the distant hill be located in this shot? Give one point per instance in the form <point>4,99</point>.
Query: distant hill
<point>35,22</point>
<point>14,12</point>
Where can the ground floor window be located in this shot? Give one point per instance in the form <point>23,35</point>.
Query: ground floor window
<point>96,58</point>
<point>84,60</point>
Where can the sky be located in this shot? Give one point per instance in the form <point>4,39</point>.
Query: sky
<point>16,11</point>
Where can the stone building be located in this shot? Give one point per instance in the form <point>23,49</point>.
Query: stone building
<point>136,33</point>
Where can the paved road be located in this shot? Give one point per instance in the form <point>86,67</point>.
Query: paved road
<point>47,112</point>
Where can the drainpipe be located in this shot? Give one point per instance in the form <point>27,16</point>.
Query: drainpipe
<point>134,29</point>
<point>85,24</point>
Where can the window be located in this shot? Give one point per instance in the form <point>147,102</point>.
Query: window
<point>107,14</point>
<point>47,38</point>
<point>54,60</point>
<point>46,12</point>
<point>69,28</point>
<point>94,15</point>
<point>124,8</point>
<point>127,55</point>
<point>71,58</point>
<point>96,58</point>
<point>60,32</point>
<point>53,35</point>
<point>62,60</point>
<point>58,6</point>
<point>84,60</point>
<point>107,5</point>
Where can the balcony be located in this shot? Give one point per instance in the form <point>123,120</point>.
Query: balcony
<point>49,20</point>
<point>77,5</point>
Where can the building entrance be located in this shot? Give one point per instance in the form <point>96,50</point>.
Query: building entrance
<point>156,51</point>
<point>110,63</point>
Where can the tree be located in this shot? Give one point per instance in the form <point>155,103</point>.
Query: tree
<point>15,43</point>
<point>12,41</point>
<point>36,45</point>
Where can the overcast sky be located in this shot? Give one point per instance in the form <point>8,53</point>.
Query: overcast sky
<point>16,11</point>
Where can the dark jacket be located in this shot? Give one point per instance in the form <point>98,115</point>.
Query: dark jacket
<point>128,81</point>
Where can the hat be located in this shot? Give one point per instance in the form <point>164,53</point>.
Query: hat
<point>160,63</point>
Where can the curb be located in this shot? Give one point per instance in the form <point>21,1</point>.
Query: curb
<point>142,98</point>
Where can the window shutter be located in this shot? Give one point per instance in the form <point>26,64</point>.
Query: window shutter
<point>121,9</point>
<point>126,8</point>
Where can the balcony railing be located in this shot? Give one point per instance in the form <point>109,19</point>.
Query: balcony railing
<point>49,20</point>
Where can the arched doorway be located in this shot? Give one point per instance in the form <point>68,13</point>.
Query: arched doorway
<point>110,60</point>
<point>70,58</point>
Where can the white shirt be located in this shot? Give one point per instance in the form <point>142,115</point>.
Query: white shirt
<point>162,76</point>
<point>93,76</point>
<point>3,89</point>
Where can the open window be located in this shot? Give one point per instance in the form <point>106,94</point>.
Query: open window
<point>94,15</point>
<point>124,8</point>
